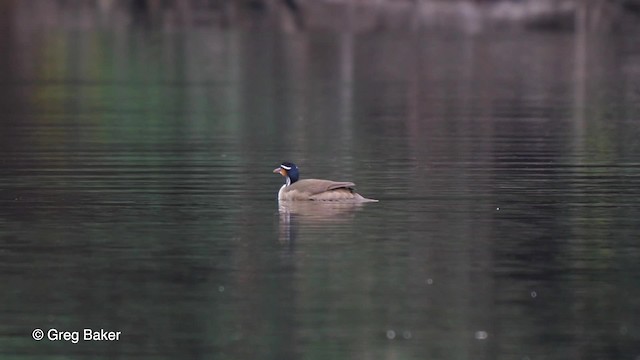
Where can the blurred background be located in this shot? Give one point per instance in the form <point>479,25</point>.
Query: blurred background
<point>337,15</point>
<point>501,138</point>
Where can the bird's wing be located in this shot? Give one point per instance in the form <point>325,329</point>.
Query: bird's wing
<point>317,186</point>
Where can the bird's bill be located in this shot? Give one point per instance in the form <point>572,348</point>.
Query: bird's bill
<point>280,171</point>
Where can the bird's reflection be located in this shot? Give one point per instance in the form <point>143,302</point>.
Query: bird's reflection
<point>296,213</point>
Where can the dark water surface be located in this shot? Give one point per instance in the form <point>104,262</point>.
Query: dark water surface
<point>136,195</point>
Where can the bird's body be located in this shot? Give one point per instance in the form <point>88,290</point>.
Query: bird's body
<point>315,189</point>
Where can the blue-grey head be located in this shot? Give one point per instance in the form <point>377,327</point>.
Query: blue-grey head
<point>289,170</point>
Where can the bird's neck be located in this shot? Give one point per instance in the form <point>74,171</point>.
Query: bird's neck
<point>292,176</point>
<point>288,181</point>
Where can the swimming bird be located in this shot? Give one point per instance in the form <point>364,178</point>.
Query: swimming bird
<point>314,189</point>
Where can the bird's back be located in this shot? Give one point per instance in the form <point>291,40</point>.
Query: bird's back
<point>322,190</point>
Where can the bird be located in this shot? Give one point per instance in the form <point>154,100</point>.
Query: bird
<point>314,189</point>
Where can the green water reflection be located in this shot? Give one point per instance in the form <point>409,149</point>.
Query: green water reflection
<point>137,195</point>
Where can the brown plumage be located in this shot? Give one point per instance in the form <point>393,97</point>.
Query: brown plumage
<point>315,189</point>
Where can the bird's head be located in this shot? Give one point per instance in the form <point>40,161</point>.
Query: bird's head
<point>288,170</point>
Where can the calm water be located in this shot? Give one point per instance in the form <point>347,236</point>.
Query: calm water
<point>136,195</point>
